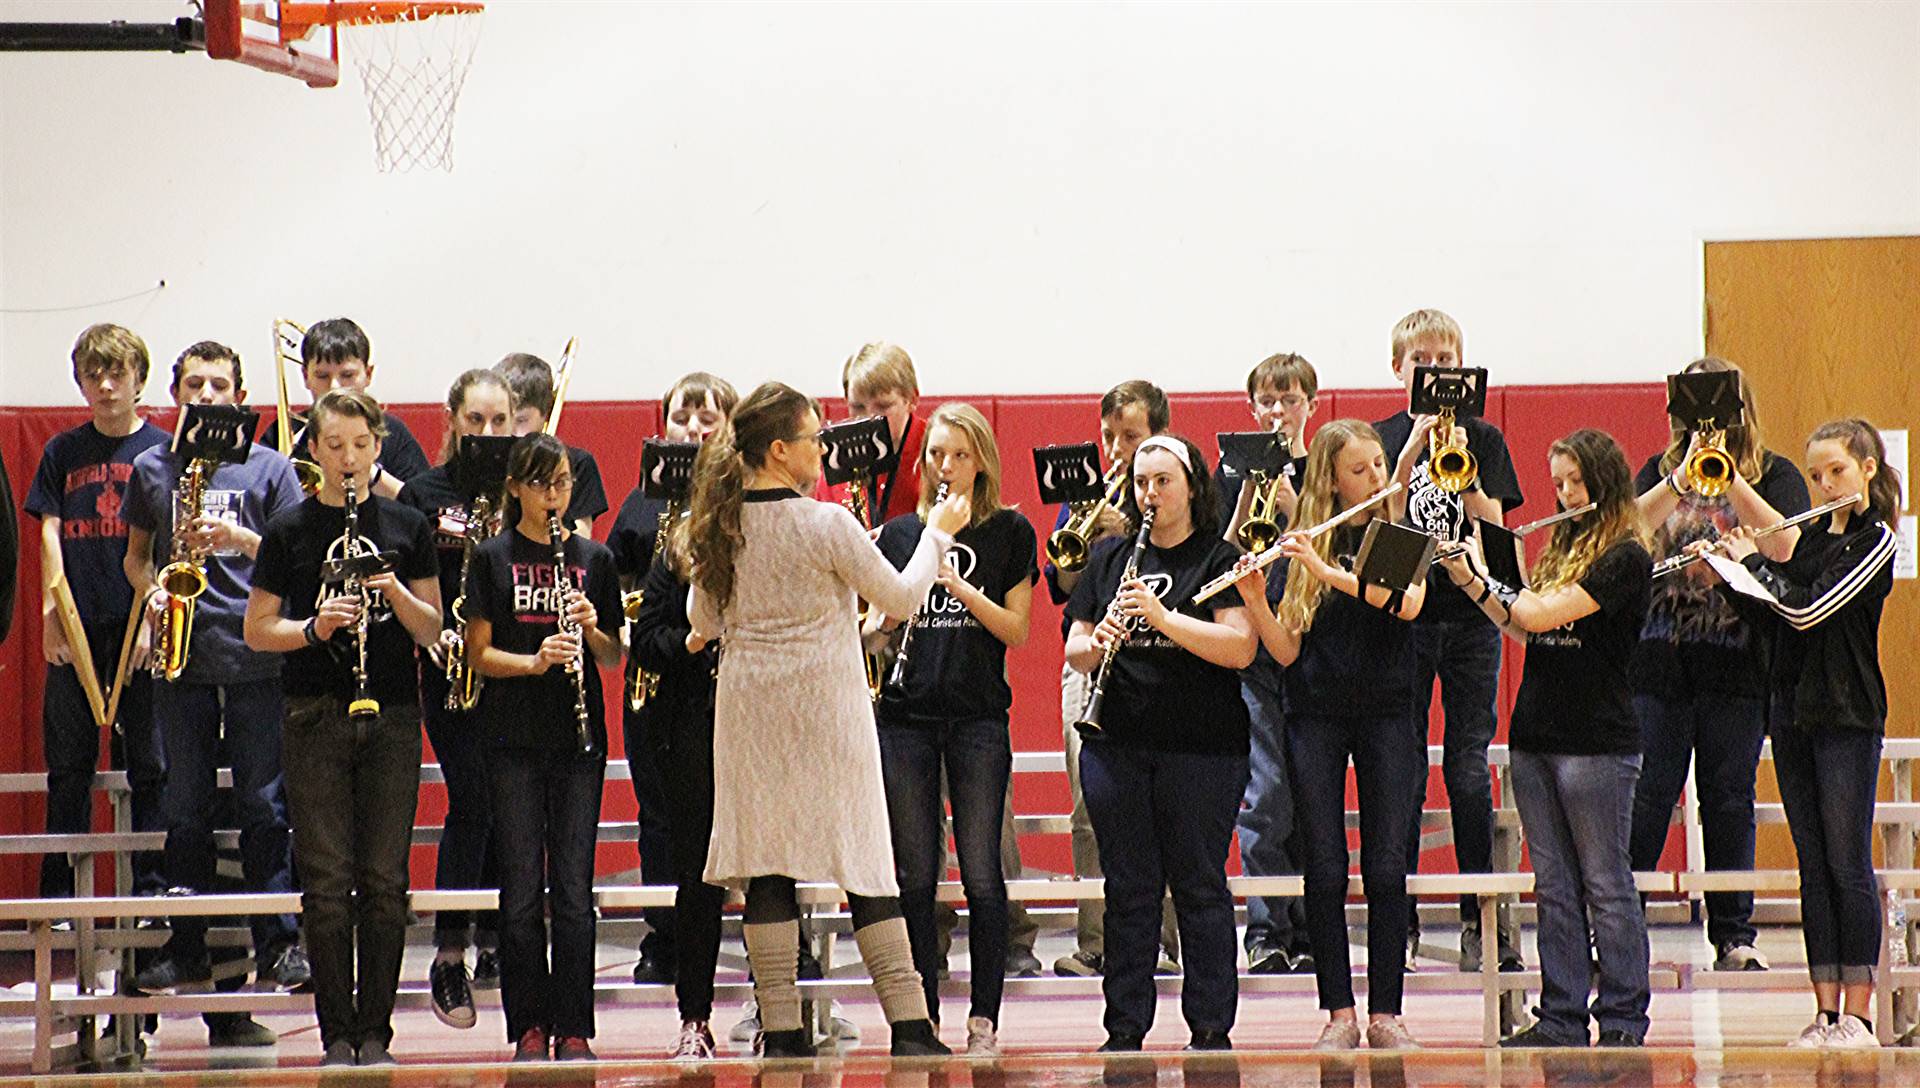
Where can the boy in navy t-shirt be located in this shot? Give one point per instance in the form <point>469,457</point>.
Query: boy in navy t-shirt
<point>76,494</point>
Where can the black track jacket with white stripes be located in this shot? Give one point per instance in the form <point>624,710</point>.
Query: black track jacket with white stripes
<point>1825,629</point>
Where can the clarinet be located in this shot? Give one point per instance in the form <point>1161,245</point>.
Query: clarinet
<point>364,705</point>
<point>899,678</point>
<point>1089,723</point>
<point>563,585</point>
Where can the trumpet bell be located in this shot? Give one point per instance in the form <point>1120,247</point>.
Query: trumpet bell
<point>1452,468</point>
<point>1709,471</point>
<point>1258,534</point>
<point>1067,550</point>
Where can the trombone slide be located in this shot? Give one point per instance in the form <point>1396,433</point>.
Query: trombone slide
<point>68,614</point>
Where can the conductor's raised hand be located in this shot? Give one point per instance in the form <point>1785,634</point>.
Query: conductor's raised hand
<point>951,515</point>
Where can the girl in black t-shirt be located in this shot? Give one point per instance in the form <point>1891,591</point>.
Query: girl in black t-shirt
<point>1699,674</point>
<point>1164,776</point>
<point>546,791</point>
<point>1829,711</point>
<point>478,403</point>
<point>944,708</point>
<point>1575,743</point>
<point>1348,652</point>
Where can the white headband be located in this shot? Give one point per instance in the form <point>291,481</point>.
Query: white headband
<point>1171,445</point>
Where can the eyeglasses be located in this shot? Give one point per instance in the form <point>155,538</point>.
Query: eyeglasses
<point>558,483</point>
<point>814,438</point>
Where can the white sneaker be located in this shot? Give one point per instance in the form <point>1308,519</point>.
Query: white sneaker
<point>1813,1038</point>
<point>1851,1034</point>
<point>695,1043</point>
<point>982,1041</point>
<point>749,1024</point>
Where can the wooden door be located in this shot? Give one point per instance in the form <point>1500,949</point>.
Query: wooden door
<point>1826,328</point>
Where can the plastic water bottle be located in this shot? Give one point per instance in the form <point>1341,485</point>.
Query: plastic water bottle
<point>1896,928</point>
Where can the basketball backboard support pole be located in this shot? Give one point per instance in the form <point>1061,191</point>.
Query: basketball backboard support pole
<point>183,35</point>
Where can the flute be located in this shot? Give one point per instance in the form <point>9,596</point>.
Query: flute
<point>1459,547</point>
<point>1677,562</point>
<point>1266,558</point>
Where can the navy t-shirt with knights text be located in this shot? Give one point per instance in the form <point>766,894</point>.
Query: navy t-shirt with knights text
<point>82,480</point>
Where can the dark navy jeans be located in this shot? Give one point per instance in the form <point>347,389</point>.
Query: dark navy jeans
<point>546,806</point>
<point>1465,656</point>
<point>1267,841</point>
<point>1827,779</point>
<point>1720,736</point>
<point>1164,821</point>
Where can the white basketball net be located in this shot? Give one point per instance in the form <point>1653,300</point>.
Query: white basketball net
<point>412,70</point>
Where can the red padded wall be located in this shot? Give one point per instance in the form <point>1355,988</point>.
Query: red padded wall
<point>1532,417</point>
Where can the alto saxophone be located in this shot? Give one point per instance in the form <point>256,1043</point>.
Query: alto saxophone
<point>641,684</point>
<point>184,578</point>
<point>463,680</point>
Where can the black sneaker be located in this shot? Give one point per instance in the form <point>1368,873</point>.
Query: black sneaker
<point>1120,1044</point>
<point>1509,951</point>
<point>808,968</point>
<point>291,973</point>
<point>1470,960</point>
<point>652,968</point>
<point>171,975</point>
<point>452,996</point>
<point>486,969</point>
<point>1210,1039</point>
<point>1079,965</point>
<point>1265,959</point>
<point>784,1044</point>
<point>240,1029</point>
<point>1535,1036</point>
<point>916,1039</point>
<point>1302,961</point>
<point>1618,1037</point>
<point>1022,963</point>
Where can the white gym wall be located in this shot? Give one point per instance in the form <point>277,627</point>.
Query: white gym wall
<point>1030,197</point>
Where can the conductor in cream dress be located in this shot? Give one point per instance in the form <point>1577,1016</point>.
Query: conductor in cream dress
<point>798,794</point>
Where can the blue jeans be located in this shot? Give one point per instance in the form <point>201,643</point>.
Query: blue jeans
<point>191,718</point>
<point>1267,846</point>
<point>1827,780</point>
<point>1163,821</point>
<point>546,807</point>
<point>463,860</point>
<point>1720,735</point>
<point>1465,656</point>
<point>1386,754</point>
<point>977,755</point>
<point>1576,812</point>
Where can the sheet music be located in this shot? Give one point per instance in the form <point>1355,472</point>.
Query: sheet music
<point>1740,578</point>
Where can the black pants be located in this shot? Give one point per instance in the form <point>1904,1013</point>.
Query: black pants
<point>1465,655</point>
<point>351,797</point>
<point>645,732</point>
<point>681,750</point>
<point>465,859</point>
<point>71,742</point>
<point>546,805</point>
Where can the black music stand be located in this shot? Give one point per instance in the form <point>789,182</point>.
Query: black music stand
<point>1439,388</point>
<point>1393,556</point>
<point>215,432</point>
<point>666,469</point>
<point>1069,474</point>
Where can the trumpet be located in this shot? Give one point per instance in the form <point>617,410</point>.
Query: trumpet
<point>463,680</point>
<point>1676,562</point>
<point>286,350</point>
<point>1071,544</point>
<point>576,668</point>
<point>183,579</point>
<point>641,684</point>
<point>1709,469</point>
<point>1450,464</point>
<point>899,676</point>
<point>1261,530</point>
<point>1089,722</point>
<point>364,705</point>
<point>1265,559</point>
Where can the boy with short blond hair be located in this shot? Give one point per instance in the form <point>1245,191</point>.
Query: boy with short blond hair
<point>76,493</point>
<point>1454,642</point>
<point>879,380</point>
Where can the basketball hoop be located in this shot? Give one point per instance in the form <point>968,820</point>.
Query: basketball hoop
<point>413,59</point>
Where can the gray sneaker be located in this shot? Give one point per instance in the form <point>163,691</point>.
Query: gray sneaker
<point>340,1052</point>
<point>1390,1035</point>
<point>1740,957</point>
<point>1338,1035</point>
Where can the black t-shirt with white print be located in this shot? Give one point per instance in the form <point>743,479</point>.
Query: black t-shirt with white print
<point>956,668</point>
<point>1160,696</point>
<point>1574,698</point>
<point>1695,641</point>
<point>514,587</point>
<point>1442,513</point>
<point>1356,661</point>
<point>292,551</point>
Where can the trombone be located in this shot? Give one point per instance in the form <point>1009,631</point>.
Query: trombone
<point>1673,563</point>
<point>562,377</point>
<point>1071,544</point>
<point>286,351</point>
